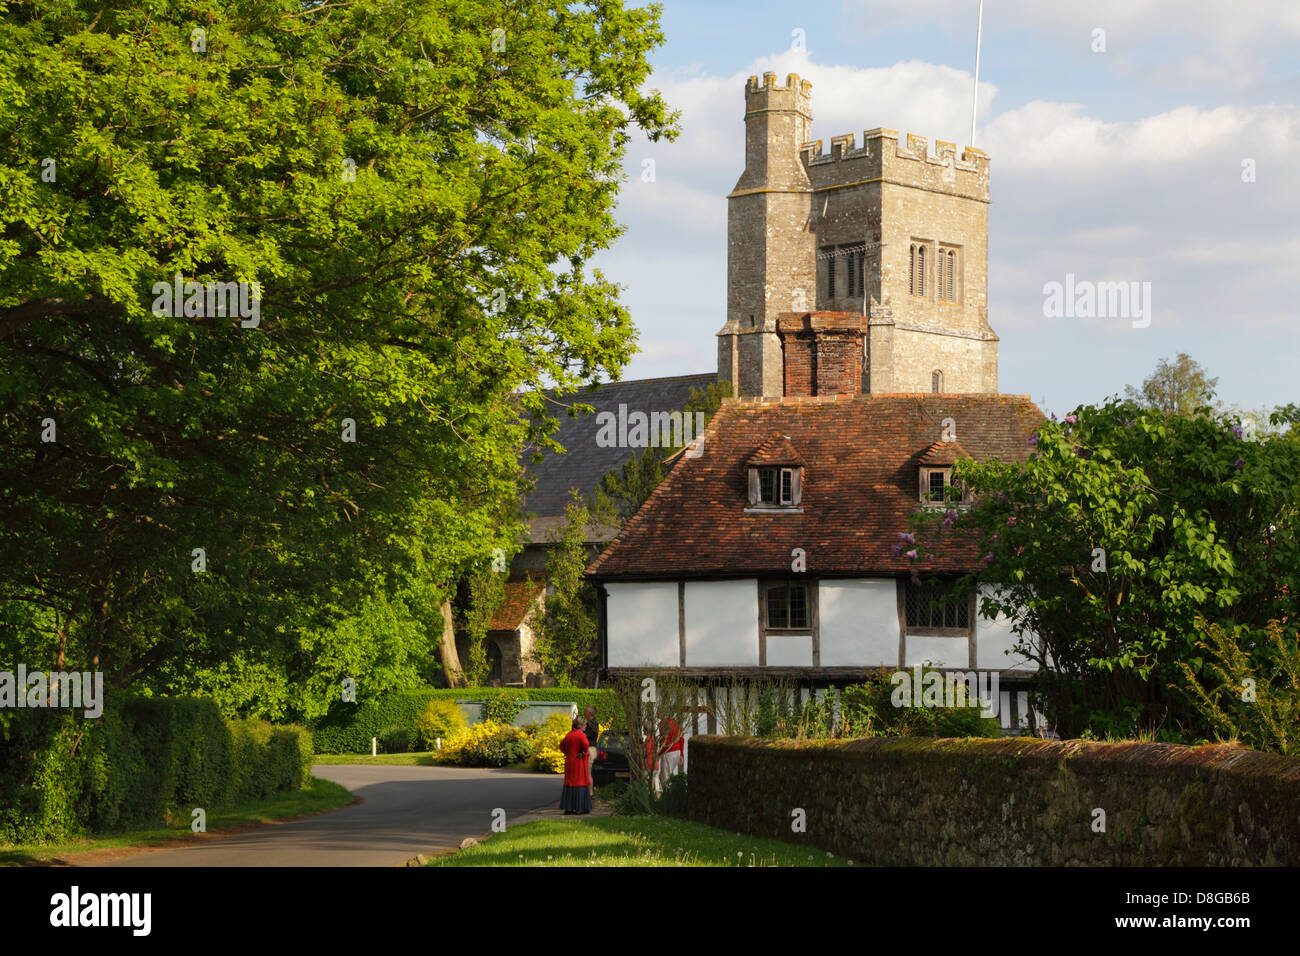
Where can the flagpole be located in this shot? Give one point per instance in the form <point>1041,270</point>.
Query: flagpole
<point>975,94</point>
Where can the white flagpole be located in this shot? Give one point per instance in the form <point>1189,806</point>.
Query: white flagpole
<point>975,95</point>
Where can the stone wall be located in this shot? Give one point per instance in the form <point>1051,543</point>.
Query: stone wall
<point>1007,802</point>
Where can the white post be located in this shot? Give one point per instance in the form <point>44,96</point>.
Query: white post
<point>437,743</point>
<point>374,746</point>
<point>975,96</point>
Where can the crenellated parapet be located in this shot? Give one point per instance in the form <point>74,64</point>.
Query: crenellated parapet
<point>796,93</point>
<point>908,162</point>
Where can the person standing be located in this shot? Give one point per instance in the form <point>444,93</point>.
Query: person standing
<point>593,738</point>
<point>671,760</point>
<point>576,795</point>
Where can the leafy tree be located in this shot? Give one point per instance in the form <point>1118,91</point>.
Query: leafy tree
<point>1176,388</point>
<point>623,491</point>
<point>482,593</point>
<point>1123,529</point>
<point>416,189</point>
<point>565,641</point>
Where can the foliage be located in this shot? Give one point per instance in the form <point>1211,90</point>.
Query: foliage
<point>547,756</point>
<point>394,740</point>
<point>486,744</point>
<point>1122,528</point>
<point>1180,387</point>
<point>141,763</point>
<point>564,644</point>
<point>647,707</point>
<point>774,709</point>
<point>418,199</point>
<point>672,802</point>
<point>1249,689</point>
<point>483,591</point>
<point>503,708</point>
<point>441,719</point>
<point>347,728</point>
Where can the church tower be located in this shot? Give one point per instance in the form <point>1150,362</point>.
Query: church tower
<point>861,270</point>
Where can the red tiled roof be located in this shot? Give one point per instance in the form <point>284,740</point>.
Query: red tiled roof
<point>518,603</point>
<point>777,450</point>
<point>943,453</point>
<point>861,455</point>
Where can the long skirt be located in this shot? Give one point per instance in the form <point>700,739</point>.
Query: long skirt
<point>575,800</point>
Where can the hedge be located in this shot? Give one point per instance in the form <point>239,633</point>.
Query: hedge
<point>145,762</point>
<point>1009,802</point>
<point>347,728</point>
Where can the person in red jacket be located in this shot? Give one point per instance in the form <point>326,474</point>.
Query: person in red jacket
<point>670,759</point>
<point>576,795</point>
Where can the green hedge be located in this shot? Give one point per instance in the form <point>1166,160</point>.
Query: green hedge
<point>347,728</point>
<point>900,801</point>
<point>143,763</point>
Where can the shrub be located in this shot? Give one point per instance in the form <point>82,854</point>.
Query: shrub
<point>502,708</point>
<point>347,728</point>
<point>394,740</point>
<point>672,802</point>
<point>489,744</point>
<point>145,762</point>
<point>440,720</point>
<point>546,755</point>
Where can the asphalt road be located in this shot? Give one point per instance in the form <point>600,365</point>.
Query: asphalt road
<point>407,811</point>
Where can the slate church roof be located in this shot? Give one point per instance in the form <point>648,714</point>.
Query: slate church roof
<point>862,455</point>
<point>584,462</point>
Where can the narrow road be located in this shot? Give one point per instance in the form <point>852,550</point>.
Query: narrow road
<point>407,811</point>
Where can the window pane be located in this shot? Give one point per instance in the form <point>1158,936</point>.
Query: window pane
<point>778,611</point>
<point>786,490</point>
<point>767,484</point>
<point>936,485</point>
<point>798,605</point>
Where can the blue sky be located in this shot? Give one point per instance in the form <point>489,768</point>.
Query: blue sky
<point>1122,165</point>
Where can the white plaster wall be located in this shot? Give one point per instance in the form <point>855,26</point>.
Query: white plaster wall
<point>939,651</point>
<point>641,622</point>
<point>722,624</point>
<point>992,639</point>
<point>858,623</point>
<point>789,650</point>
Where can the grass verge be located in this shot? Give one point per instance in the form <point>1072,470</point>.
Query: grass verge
<point>320,796</point>
<point>632,841</point>
<point>417,759</point>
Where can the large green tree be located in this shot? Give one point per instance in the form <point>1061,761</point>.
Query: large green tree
<point>417,189</point>
<point>1125,534</point>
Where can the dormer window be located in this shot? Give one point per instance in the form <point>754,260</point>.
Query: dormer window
<point>775,487</point>
<point>936,486</point>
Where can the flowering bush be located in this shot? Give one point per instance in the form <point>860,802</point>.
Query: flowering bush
<point>440,719</point>
<point>546,756</point>
<point>489,744</point>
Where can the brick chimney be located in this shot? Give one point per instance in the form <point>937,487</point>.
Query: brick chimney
<point>821,352</point>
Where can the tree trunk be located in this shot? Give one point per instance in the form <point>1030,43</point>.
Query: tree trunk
<point>447,649</point>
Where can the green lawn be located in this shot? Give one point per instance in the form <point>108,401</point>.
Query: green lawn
<point>632,841</point>
<point>321,795</point>
<point>418,759</point>
<point>388,760</point>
